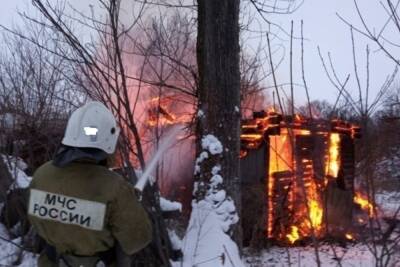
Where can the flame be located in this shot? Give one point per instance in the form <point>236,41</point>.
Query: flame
<point>159,113</point>
<point>298,118</point>
<point>243,153</point>
<point>334,159</point>
<point>305,205</point>
<point>280,160</point>
<point>250,126</point>
<point>349,236</point>
<point>293,236</point>
<point>364,203</point>
<point>251,137</point>
<point>294,192</point>
<point>304,132</point>
<point>315,214</point>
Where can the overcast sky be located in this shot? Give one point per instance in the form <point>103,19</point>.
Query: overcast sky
<point>321,28</point>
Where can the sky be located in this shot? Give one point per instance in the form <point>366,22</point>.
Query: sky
<point>322,28</point>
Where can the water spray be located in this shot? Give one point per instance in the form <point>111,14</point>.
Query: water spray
<point>165,143</point>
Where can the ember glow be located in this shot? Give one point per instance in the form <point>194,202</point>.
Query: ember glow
<point>349,236</point>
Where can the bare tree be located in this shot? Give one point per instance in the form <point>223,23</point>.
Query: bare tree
<point>363,107</point>
<point>219,94</point>
<point>380,36</point>
<point>34,95</point>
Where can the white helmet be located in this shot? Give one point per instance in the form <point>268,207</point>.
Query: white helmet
<point>92,125</point>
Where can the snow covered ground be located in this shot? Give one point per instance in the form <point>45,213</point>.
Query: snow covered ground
<point>389,203</point>
<point>16,167</point>
<point>356,255</point>
<point>11,255</point>
<point>353,255</point>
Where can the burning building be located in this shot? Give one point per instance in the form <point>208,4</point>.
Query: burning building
<point>306,169</point>
<point>297,173</point>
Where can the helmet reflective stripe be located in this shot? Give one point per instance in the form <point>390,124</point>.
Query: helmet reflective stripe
<point>92,125</point>
<point>90,130</point>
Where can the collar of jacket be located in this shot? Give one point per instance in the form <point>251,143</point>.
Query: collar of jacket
<point>66,154</point>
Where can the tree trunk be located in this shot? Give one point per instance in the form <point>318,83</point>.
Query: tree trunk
<point>219,90</point>
<point>5,179</point>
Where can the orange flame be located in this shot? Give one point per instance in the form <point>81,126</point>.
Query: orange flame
<point>291,174</point>
<point>159,113</point>
<point>294,235</point>
<point>315,214</point>
<point>243,153</point>
<point>334,159</point>
<point>251,137</point>
<point>364,203</point>
<point>280,160</point>
<point>298,118</point>
<point>305,132</point>
<point>349,236</point>
<point>305,205</point>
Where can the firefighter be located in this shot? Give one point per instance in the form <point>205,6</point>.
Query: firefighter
<point>80,208</point>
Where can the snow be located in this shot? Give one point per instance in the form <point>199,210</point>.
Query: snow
<point>9,253</point>
<point>216,180</point>
<point>16,167</point>
<point>216,169</point>
<point>168,205</point>
<point>217,197</point>
<point>207,243</point>
<point>176,242</point>
<point>212,144</point>
<point>197,169</point>
<point>388,203</point>
<point>356,255</point>
<point>200,114</point>
<point>203,155</point>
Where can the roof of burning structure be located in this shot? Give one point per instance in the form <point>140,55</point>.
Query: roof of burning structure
<point>264,124</point>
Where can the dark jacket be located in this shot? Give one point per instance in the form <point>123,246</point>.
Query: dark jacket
<point>84,208</point>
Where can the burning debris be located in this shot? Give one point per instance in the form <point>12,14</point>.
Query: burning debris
<point>307,166</point>
<point>167,111</point>
<point>364,203</point>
